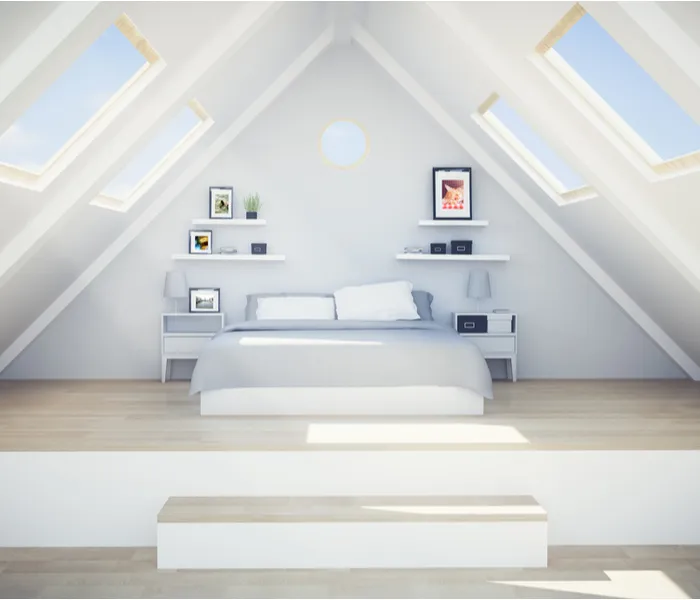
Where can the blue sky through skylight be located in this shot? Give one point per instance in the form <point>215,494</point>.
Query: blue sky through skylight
<point>628,89</point>
<point>152,153</point>
<point>537,146</point>
<point>93,78</point>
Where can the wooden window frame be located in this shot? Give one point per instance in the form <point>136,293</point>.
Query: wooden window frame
<point>599,112</point>
<point>81,139</point>
<point>525,159</point>
<point>162,166</point>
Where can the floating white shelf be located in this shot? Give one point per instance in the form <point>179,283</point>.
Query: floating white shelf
<point>230,222</point>
<point>453,257</point>
<point>453,223</point>
<point>239,257</point>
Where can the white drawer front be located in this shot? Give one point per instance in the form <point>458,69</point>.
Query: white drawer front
<point>494,344</point>
<point>184,345</point>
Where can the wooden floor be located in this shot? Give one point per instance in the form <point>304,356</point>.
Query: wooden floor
<point>573,572</point>
<point>528,415</point>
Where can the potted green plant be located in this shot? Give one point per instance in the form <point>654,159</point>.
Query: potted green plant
<point>252,205</point>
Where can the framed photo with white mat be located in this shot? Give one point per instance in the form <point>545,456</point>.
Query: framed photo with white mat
<point>220,202</point>
<point>205,300</point>
<point>452,193</point>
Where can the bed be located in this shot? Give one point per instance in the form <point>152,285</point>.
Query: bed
<point>333,367</point>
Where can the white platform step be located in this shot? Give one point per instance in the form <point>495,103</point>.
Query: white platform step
<point>430,400</point>
<point>390,532</point>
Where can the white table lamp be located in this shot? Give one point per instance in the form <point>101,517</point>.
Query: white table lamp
<point>479,286</point>
<point>175,287</point>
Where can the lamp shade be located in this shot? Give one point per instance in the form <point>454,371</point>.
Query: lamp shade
<point>175,285</point>
<point>479,285</point>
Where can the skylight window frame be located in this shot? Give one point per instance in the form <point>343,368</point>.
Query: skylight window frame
<point>565,78</point>
<point>162,166</point>
<point>81,139</point>
<point>525,159</point>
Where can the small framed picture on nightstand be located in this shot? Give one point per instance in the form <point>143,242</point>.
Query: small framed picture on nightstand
<point>205,300</point>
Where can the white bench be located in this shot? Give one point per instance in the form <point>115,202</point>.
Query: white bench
<point>390,532</point>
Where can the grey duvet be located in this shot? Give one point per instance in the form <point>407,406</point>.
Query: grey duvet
<point>298,353</point>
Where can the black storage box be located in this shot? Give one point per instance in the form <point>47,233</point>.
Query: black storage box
<point>461,247</point>
<point>258,248</point>
<point>438,248</point>
<point>471,323</point>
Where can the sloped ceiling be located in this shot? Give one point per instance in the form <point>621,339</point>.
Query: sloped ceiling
<point>18,20</point>
<point>642,234</point>
<point>687,17</point>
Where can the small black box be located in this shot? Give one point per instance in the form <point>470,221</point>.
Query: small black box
<point>438,248</point>
<point>461,247</point>
<point>258,248</point>
<point>471,323</point>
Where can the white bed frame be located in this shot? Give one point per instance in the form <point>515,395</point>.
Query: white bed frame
<point>407,400</point>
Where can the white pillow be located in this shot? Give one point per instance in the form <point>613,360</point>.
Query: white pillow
<point>377,302</point>
<point>296,307</point>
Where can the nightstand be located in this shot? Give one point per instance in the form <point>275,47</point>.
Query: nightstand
<point>495,334</point>
<point>184,334</point>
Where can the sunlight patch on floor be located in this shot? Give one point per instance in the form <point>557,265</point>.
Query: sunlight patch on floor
<point>622,584</point>
<point>412,433</point>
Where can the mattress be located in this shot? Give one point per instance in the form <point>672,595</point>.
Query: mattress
<point>300,353</point>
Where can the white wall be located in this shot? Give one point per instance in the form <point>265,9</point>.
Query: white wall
<point>343,227</point>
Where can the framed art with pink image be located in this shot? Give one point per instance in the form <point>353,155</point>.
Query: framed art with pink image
<point>452,193</point>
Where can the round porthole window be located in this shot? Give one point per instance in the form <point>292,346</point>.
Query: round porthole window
<point>344,144</point>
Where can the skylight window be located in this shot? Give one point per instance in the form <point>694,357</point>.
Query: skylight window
<point>531,152</point>
<point>155,158</point>
<point>620,91</point>
<point>76,106</point>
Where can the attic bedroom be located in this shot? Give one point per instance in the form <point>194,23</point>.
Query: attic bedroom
<point>332,299</point>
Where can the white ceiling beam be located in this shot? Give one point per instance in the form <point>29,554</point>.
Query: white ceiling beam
<point>667,35</point>
<point>628,197</point>
<point>531,206</point>
<point>228,39</point>
<point>41,43</point>
<point>342,15</point>
<point>171,193</point>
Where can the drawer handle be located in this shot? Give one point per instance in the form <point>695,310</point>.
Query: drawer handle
<point>469,325</point>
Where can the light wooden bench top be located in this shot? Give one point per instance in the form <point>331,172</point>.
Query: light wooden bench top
<point>284,509</point>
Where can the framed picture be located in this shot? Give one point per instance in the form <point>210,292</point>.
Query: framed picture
<point>204,300</point>
<point>200,241</point>
<point>220,202</point>
<point>452,193</point>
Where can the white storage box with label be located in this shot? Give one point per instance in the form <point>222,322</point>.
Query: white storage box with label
<point>500,323</point>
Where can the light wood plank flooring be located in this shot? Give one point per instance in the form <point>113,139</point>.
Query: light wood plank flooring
<point>528,415</point>
<point>573,572</point>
